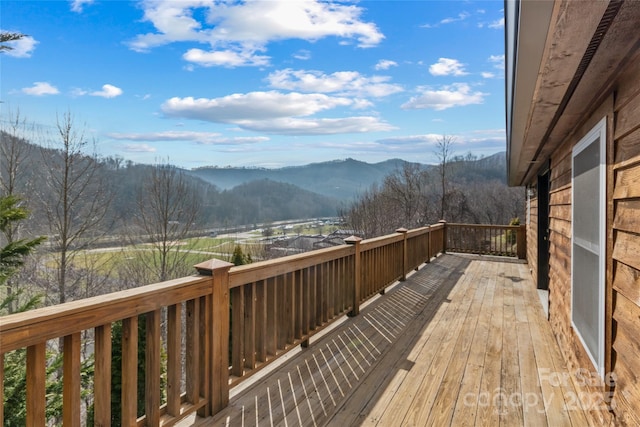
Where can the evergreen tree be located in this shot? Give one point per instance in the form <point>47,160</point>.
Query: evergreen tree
<point>7,36</point>
<point>238,257</point>
<point>12,256</point>
<point>13,253</point>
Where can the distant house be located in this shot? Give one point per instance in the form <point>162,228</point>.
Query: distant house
<point>336,238</point>
<point>573,130</point>
<point>293,245</point>
<point>304,243</point>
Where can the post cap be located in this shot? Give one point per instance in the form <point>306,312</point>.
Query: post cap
<point>207,268</point>
<point>352,239</point>
<point>401,230</point>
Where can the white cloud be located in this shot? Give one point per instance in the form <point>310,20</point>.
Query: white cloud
<point>225,58</point>
<point>206,138</point>
<point>78,92</point>
<point>108,91</point>
<point>236,32</point>
<point>460,17</point>
<point>41,89</point>
<point>431,138</point>
<point>455,95</point>
<point>498,61</point>
<point>447,67</point>
<point>275,112</point>
<point>138,148</point>
<point>303,55</point>
<point>346,83</point>
<point>385,64</point>
<point>251,106</point>
<point>497,24</point>
<point>295,126</point>
<point>78,5</point>
<point>22,48</point>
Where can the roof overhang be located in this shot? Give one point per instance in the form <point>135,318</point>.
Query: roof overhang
<point>560,59</point>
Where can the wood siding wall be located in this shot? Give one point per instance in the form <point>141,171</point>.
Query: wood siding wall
<point>579,364</point>
<point>625,258</point>
<point>622,315</point>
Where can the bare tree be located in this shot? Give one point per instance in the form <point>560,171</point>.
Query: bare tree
<point>14,151</point>
<point>74,200</point>
<point>167,210</point>
<point>406,189</point>
<point>444,152</point>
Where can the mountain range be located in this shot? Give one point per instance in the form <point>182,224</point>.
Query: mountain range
<point>341,180</point>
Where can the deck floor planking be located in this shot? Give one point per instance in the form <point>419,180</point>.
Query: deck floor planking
<point>463,341</point>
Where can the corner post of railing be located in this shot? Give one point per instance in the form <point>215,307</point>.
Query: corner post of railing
<point>357,274</point>
<point>521,242</point>
<point>405,261</point>
<point>218,331</point>
<point>444,235</point>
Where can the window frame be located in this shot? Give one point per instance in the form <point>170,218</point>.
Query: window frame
<point>597,133</point>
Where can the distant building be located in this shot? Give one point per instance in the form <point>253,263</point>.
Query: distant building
<point>299,244</point>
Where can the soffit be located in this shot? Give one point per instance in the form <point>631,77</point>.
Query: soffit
<point>571,27</point>
<point>618,46</point>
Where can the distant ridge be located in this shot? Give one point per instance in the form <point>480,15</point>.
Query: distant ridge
<point>338,179</point>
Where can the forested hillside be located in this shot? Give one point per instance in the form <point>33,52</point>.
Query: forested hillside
<point>461,189</point>
<point>122,184</point>
<point>338,179</point>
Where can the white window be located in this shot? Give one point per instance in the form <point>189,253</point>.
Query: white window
<point>588,242</point>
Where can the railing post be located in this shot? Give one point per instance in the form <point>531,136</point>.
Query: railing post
<point>219,331</point>
<point>35,384</point>
<point>404,253</point>
<point>428,244</point>
<point>444,235</point>
<point>2,387</point>
<point>355,241</point>
<point>521,242</point>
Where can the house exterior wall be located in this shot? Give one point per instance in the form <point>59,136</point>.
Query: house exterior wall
<point>625,251</point>
<point>621,107</point>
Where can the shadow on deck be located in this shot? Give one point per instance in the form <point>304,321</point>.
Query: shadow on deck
<point>463,341</point>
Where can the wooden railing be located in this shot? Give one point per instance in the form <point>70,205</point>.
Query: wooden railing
<point>218,327</point>
<point>502,240</point>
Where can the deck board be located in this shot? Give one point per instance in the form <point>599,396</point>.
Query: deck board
<point>463,341</point>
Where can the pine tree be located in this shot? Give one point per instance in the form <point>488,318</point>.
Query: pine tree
<point>12,256</point>
<point>238,257</point>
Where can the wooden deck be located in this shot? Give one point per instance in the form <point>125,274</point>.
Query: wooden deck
<point>463,341</point>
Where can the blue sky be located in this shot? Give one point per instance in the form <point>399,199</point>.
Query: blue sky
<point>260,83</point>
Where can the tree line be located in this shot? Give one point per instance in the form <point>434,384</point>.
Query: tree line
<point>460,188</point>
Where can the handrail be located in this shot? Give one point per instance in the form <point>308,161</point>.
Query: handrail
<point>235,320</point>
<point>502,240</point>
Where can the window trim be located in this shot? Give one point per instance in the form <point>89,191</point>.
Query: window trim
<point>597,132</point>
